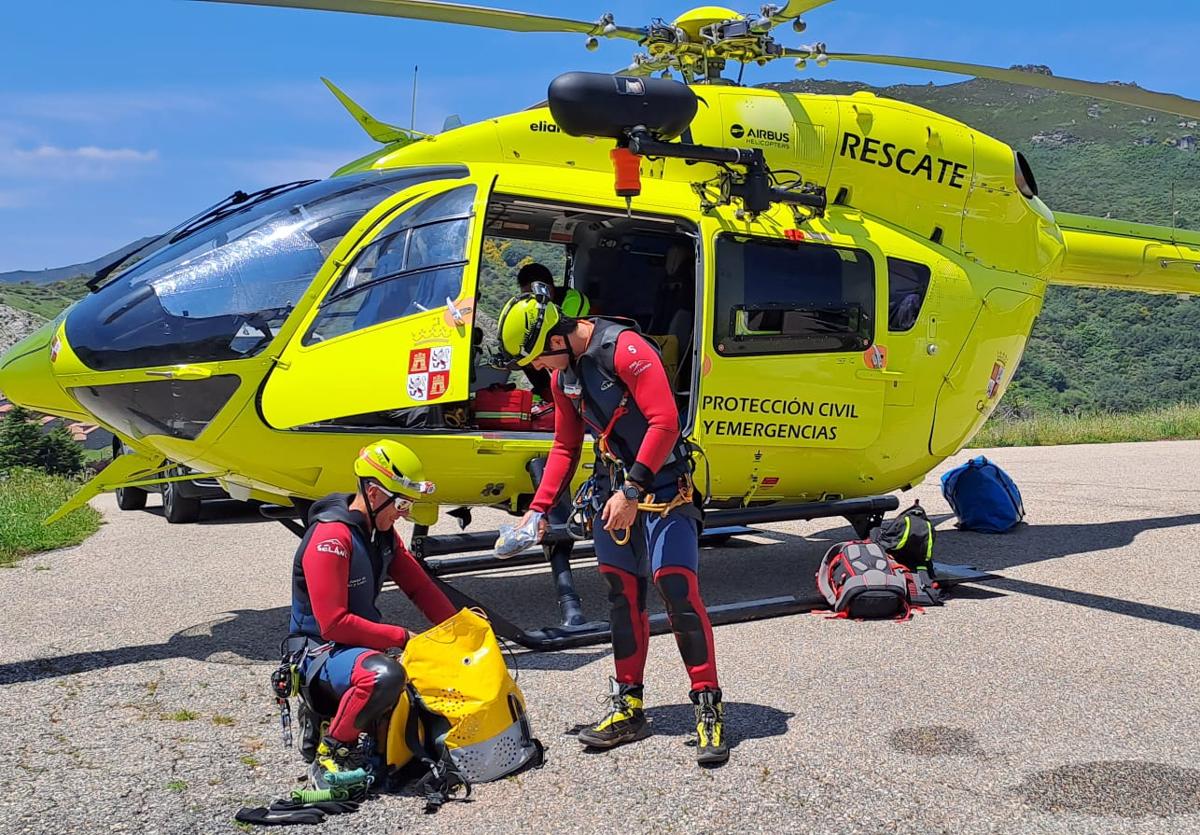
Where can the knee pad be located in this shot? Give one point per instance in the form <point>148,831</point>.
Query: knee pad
<point>388,684</point>
<point>676,588</point>
<point>626,600</point>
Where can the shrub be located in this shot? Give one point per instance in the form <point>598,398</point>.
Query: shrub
<point>22,444</point>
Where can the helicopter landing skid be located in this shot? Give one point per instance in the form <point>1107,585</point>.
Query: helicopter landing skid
<point>552,638</point>
<point>720,525</point>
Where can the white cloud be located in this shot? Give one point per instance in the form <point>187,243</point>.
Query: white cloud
<point>87,162</point>
<point>87,152</point>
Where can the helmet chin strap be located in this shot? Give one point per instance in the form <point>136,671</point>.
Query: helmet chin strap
<point>372,512</point>
<point>556,352</point>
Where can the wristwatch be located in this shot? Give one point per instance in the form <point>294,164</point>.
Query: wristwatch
<point>631,491</point>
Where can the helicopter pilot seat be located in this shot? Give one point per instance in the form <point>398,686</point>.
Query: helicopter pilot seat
<point>675,302</point>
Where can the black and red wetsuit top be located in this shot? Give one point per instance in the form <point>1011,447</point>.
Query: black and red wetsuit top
<point>646,438</point>
<point>337,574</point>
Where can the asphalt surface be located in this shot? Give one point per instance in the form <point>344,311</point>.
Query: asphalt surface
<point>1060,697</point>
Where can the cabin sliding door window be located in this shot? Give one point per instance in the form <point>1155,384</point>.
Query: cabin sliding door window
<point>414,266</point>
<point>778,297</point>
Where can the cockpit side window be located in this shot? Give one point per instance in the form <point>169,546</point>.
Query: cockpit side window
<point>414,264</point>
<point>224,291</point>
<point>776,297</point>
<point>908,282</point>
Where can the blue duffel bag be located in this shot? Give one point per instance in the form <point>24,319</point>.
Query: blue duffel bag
<point>983,497</point>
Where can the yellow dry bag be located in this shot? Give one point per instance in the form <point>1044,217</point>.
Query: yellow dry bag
<point>463,715</point>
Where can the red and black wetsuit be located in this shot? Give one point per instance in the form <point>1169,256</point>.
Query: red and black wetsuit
<point>337,574</point>
<point>621,374</point>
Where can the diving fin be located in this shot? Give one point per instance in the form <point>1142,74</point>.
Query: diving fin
<point>377,130</point>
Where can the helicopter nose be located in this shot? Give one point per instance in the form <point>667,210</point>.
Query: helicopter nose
<point>27,375</point>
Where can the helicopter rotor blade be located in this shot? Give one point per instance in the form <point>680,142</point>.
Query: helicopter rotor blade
<point>458,13</point>
<point>795,8</point>
<point>1119,93</point>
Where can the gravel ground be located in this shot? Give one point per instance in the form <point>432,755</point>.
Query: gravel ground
<point>1059,697</point>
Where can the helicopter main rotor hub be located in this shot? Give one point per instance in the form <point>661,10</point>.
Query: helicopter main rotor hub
<point>699,42</point>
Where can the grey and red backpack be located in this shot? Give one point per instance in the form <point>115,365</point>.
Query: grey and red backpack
<point>884,576</point>
<point>859,580</point>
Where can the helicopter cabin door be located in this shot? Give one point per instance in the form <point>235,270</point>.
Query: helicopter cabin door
<point>392,334</point>
<point>792,376</point>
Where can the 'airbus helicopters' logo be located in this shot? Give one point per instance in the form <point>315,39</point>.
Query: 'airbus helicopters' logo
<point>544,127</point>
<point>761,136</point>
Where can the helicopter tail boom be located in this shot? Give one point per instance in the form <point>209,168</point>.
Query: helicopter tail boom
<point>1120,255</point>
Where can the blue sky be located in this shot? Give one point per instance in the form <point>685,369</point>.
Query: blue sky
<point>118,119</point>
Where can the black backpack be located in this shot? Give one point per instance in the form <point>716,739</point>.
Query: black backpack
<point>908,539</point>
<point>859,580</point>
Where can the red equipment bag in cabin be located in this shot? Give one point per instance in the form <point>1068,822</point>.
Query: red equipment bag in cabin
<point>503,406</point>
<point>543,417</point>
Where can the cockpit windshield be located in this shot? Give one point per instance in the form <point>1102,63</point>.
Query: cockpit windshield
<point>223,292</point>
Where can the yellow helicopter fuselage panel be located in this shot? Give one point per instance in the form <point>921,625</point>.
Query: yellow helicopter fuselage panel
<point>904,185</point>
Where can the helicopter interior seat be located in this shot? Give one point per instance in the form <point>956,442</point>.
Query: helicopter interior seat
<point>675,304</point>
<point>642,272</point>
<point>682,327</point>
<point>482,373</point>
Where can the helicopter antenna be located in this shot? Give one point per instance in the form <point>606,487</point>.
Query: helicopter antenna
<point>1174,213</point>
<point>412,125</point>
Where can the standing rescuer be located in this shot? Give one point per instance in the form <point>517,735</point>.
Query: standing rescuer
<point>350,547</point>
<point>607,378</point>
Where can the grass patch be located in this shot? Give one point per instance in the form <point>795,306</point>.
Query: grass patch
<point>222,720</point>
<point>1178,422</point>
<point>250,762</point>
<point>181,716</point>
<point>177,786</point>
<point>45,300</point>
<point>97,456</point>
<point>26,498</point>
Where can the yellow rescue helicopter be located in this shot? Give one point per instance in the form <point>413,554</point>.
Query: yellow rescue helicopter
<point>842,286</point>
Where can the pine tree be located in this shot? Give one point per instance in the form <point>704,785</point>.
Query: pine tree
<point>60,454</point>
<point>21,441</point>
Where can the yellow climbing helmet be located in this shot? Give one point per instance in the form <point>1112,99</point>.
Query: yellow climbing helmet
<point>575,304</point>
<point>394,466</point>
<point>525,324</point>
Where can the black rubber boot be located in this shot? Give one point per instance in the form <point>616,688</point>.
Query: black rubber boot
<point>571,609</point>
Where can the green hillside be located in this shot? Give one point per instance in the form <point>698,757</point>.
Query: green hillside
<point>46,300</point>
<point>1091,350</point>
